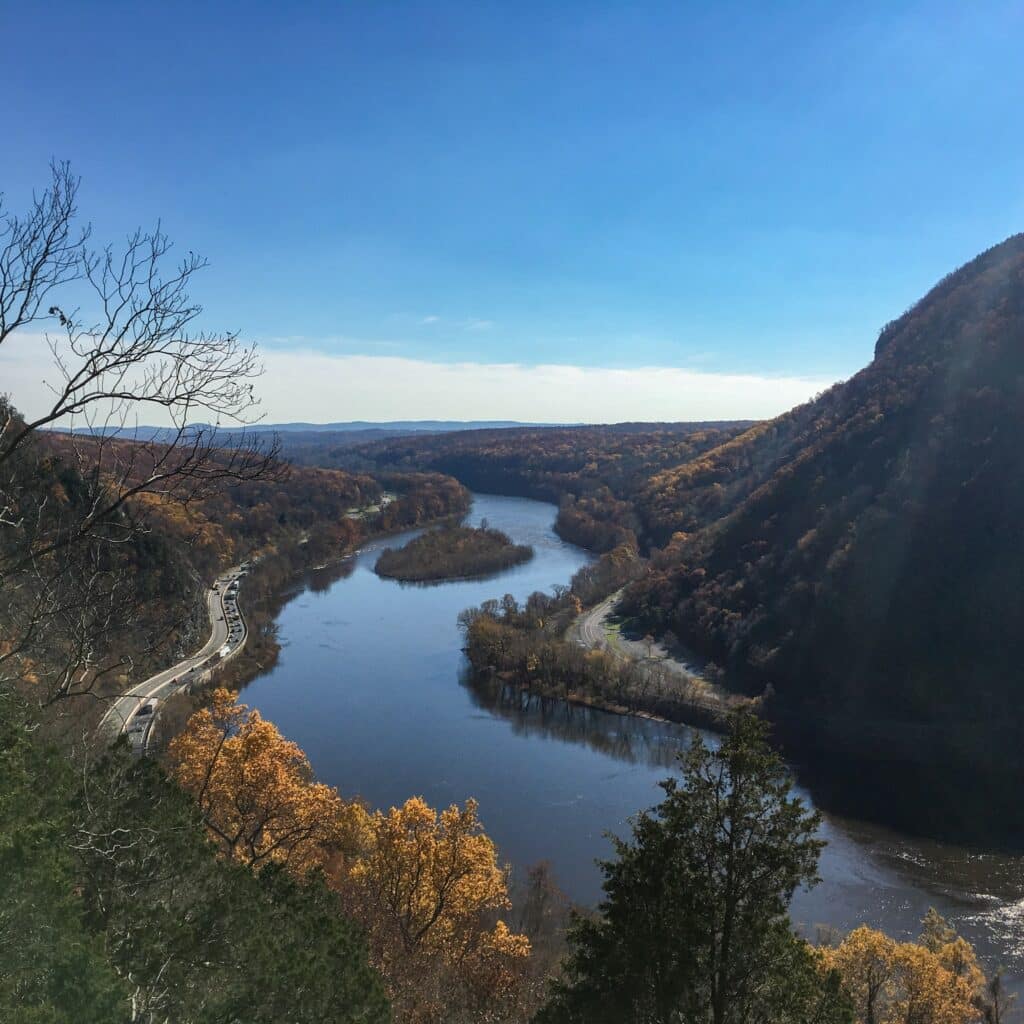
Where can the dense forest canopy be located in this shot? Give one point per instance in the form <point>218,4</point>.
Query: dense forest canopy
<point>594,473</point>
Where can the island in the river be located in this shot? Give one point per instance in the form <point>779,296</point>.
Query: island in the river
<point>452,553</point>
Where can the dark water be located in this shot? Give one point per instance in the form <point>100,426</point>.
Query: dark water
<point>370,684</point>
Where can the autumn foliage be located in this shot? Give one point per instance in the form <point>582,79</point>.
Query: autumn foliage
<point>256,791</point>
<point>428,889</point>
<point>426,886</point>
<point>934,981</point>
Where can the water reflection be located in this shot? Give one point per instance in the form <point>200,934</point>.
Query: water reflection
<point>634,740</point>
<point>319,581</point>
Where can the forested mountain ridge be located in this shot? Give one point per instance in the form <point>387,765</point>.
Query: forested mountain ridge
<point>595,473</point>
<point>875,573</point>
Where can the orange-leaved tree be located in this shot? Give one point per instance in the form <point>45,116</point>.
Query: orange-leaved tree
<point>257,793</point>
<point>936,981</point>
<point>429,889</point>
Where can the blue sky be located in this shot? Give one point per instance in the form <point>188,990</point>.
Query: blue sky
<point>724,189</point>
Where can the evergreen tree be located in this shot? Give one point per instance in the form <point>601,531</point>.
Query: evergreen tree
<point>694,925</point>
<point>114,906</point>
<point>52,967</point>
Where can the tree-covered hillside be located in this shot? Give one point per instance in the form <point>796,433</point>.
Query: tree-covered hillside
<point>875,575</point>
<point>594,473</point>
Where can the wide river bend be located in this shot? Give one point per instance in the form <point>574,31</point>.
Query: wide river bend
<point>371,684</point>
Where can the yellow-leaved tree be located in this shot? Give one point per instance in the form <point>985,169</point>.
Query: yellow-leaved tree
<point>427,887</point>
<point>429,890</point>
<point>935,981</point>
<point>257,793</point>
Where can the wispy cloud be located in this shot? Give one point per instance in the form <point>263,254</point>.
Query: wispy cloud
<point>330,343</point>
<point>316,386</point>
<point>465,323</point>
<point>313,385</point>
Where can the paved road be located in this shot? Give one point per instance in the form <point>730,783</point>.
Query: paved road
<point>589,627</point>
<point>227,636</point>
<point>589,631</point>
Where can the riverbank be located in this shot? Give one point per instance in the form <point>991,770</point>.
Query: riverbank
<point>712,717</point>
<point>548,647</point>
<point>700,701</point>
<point>264,591</point>
<point>930,772</point>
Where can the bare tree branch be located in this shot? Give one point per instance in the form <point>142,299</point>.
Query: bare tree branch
<point>132,354</point>
<point>40,251</point>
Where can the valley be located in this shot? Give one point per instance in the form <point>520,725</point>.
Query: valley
<point>708,720</point>
<point>854,563</point>
<point>371,682</point>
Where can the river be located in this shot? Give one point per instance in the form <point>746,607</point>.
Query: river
<point>371,684</point>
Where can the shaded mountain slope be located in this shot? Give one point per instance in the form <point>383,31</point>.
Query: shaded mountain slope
<point>876,574</point>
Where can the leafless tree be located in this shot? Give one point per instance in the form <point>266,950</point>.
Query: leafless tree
<point>120,331</point>
<point>997,1004</point>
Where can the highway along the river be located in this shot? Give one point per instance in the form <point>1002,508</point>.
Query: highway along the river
<point>135,711</point>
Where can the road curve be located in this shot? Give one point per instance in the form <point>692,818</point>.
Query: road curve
<point>589,627</point>
<point>589,631</point>
<point>227,635</point>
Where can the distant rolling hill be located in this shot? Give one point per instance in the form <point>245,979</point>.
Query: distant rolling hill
<point>593,472</point>
<point>356,431</point>
<point>394,426</point>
